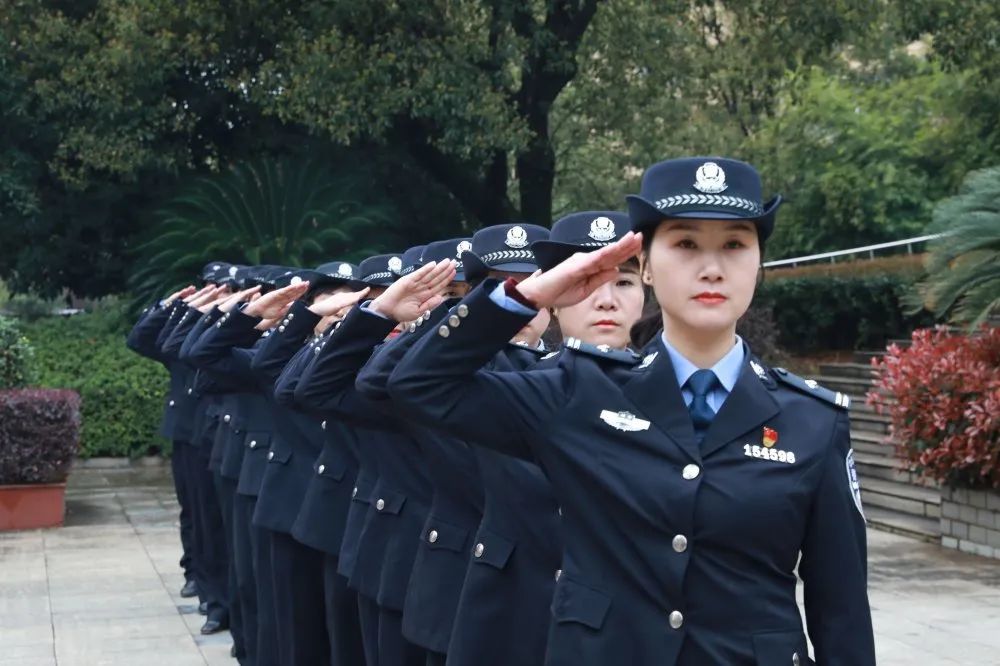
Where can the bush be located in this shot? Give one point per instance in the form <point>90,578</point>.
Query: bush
<point>839,312</point>
<point>39,435</point>
<point>943,394</point>
<point>16,355</point>
<point>122,392</point>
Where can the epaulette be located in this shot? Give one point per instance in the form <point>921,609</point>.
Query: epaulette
<point>601,351</point>
<point>811,387</point>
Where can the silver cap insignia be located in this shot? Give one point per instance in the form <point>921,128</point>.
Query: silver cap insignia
<point>710,178</point>
<point>517,237</point>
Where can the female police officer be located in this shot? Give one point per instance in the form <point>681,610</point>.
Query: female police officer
<point>691,481</point>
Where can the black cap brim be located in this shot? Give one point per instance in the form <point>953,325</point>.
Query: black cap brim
<point>645,215</point>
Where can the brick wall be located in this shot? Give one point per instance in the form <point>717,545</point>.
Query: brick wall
<point>970,521</point>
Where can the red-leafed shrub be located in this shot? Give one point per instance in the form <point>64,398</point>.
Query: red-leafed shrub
<point>39,435</point>
<point>943,395</point>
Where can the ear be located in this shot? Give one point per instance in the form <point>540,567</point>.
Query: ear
<point>645,274</point>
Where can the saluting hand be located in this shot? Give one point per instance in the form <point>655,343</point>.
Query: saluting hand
<point>333,303</point>
<point>420,291</point>
<point>198,294</point>
<point>575,279</point>
<point>275,304</point>
<point>229,303</point>
<point>183,293</point>
<point>205,302</point>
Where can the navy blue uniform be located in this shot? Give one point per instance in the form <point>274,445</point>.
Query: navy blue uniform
<point>675,553</point>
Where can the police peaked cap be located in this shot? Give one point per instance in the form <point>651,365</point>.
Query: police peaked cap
<point>410,261</point>
<point>580,232</point>
<point>707,188</point>
<point>380,270</point>
<point>503,247</point>
<point>215,271</point>
<point>448,249</point>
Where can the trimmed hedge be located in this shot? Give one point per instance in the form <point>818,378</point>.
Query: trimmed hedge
<point>122,392</point>
<point>39,435</point>
<point>16,355</point>
<point>825,313</point>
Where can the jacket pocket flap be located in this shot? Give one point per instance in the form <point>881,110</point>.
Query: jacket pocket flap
<point>781,647</point>
<point>330,467</point>
<point>575,602</point>
<point>280,451</point>
<point>389,501</point>
<point>492,549</point>
<point>440,534</point>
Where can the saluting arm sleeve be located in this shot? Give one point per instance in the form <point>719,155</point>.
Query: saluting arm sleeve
<point>440,382</point>
<point>142,338</point>
<point>284,387</point>
<point>201,326</point>
<point>327,385</point>
<point>223,347</point>
<point>834,565</point>
<point>172,345</point>
<point>292,332</point>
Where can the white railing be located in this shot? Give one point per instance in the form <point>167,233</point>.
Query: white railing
<point>870,249</point>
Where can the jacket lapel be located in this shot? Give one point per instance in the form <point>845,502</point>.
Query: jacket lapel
<point>749,405</point>
<point>655,392</point>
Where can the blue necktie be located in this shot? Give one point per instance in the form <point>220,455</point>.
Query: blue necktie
<point>701,383</point>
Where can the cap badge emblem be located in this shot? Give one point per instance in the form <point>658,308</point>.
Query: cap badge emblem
<point>295,280</point>
<point>710,178</point>
<point>602,229</point>
<point>395,264</point>
<point>232,271</point>
<point>345,270</point>
<point>464,246</point>
<point>517,237</point>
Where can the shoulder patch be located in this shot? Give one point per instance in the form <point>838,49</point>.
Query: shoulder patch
<point>602,351</point>
<point>810,387</point>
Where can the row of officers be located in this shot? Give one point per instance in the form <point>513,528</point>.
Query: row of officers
<point>383,464</point>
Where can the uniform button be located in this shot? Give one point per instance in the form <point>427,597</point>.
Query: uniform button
<point>559,510</point>
<point>454,321</point>
<point>412,327</point>
<point>354,492</point>
<point>463,310</point>
<point>317,350</point>
<point>680,543</point>
<point>190,391</point>
<point>480,549</point>
<point>795,659</point>
<point>676,620</point>
<point>281,329</point>
<point>291,315</point>
<point>321,469</point>
<point>558,574</point>
<point>433,536</point>
<point>444,331</point>
<point>253,443</point>
<point>227,418</point>
<point>691,472</point>
<point>270,455</point>
<point>171,403</point>
<point>380,504</point>
<point>323,425</point>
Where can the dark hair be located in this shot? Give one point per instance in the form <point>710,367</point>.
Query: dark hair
<point>650,323</point>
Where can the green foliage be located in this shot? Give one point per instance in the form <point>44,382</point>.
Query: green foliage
<point>963,272</point>
<point>16,355</point>
<point>286,212</point>
<point>122,392</point>
<point>837,312</point>
<point>862,162</point>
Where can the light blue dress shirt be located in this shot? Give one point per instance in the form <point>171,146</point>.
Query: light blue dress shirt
<point>727,369</point>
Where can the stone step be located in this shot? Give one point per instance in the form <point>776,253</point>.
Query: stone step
<point>856,388</point>
<point>925,529</point>
<point>865,357</point>
<point>900,342</point>
<point>919,501</point>
<point>877,466</point>
<point>872,443</point>
<point>869,422</point>
<point>848,370</point>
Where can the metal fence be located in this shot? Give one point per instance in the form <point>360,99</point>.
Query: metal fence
<point>870,250</point>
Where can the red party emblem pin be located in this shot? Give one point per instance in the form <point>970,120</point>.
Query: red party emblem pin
<point>770,437</point>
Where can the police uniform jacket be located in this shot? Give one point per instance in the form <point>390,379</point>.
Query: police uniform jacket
<point>675,553</point>
<point>503,613</point>
<point>442,557</point>
<point>401,495</point>
<point>228,349</point>
<point>197,419</point>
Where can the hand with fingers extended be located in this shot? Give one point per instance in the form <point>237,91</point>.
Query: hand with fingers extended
<point>210,299</point>
<point>183,293</point>
<point>274,305</point>
<point>230,302</point>
<point>195,295</point>
<point>409,297</point>
<point>575,279</point>
<point>332,304</point>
